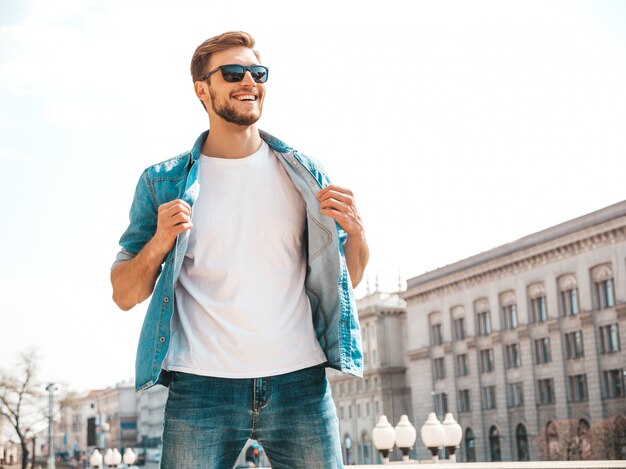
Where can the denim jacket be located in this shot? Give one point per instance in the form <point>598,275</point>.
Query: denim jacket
<point>328,284</point>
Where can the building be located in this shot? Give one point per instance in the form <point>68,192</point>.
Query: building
<point>112,417</point>
<point>514,338</point>
<point>383,389</point>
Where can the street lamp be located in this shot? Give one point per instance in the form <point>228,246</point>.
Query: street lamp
<point>96,458</point>
<point>384,437</point>
<point>112,457</point>
<point>405,436</point>
<point>453,433</point>
<point>129,457</point>
<point>432,434</point>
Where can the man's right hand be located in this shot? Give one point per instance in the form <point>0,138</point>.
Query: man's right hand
<point>133,280</point>
<point>173,218</point>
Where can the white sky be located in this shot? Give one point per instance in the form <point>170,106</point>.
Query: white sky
<point>460,126</point>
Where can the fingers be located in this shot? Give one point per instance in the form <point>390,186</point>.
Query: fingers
<point>337,192</point>
<point>173,219</point>
<point>338,203</point>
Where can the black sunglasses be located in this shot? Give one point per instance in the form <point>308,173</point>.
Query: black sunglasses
<point>233,73</point>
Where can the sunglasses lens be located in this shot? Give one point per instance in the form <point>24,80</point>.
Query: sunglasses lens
<point>259,73</point>
<point>232,73</point>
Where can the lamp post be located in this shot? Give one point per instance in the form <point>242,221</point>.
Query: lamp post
<point>384,437</point>
<point>129,457</point>
<point>112,458</point>
<point>453,433</point>
<point>432,434</point>
<point>405,436</point>
<point>96,458</point>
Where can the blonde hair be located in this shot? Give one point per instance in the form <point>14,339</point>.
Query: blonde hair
<point>202,55</point>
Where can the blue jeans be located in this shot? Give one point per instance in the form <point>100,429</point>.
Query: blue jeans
<point>208,420</point>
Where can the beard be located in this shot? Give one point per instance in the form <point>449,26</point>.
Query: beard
<point>230,114</point>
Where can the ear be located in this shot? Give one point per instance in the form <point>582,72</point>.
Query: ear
<point>202,90</point>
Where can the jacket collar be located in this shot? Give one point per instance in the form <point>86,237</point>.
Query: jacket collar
<point>273,142</point>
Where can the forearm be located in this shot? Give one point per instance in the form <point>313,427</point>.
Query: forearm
<point>357,254</point>
<point>133,280</point>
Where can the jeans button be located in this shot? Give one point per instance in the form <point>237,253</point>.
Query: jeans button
<point>161,339</point>
<point>166,299</point>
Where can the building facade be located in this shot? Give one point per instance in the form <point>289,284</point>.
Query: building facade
<point>383,389</point>
<point>525,334</point>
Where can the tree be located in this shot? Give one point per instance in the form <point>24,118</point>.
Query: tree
<point>608,438</point>
<point>564,440</point>
<point>21,400</point>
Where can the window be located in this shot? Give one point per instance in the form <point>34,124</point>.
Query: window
<point>441,403</point>
<point>377,405</point>
<point>513,356</point>
<point>350,411</point>
<point>462,365</point>
<point>574,345</point>
<point>510,316</point>
<point>494,444</point>
<point>358,410</point>
<point>341,389</point>
<point>341,413</point>
<point>465,403</point>
<point>374,358</point>
<point>470,445</point>
<point>440,368</point>
<point>515,394</point>
<point>435,334</point>
<point>484,323</point>
<point>538,309</point>
<point>569,302</point>
<point>521,436</point>
<point>546,391</point>
<point>459,329</point>
<point>542,350</point>
<point>609,338</point>
<point>604,294</point>
<point>486,360</point>
<point>367,409</point>
<point>578,388</point>
<point>489,397</point>
<point>613,383</point>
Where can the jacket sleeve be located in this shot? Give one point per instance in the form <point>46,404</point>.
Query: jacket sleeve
<point>143,221</point>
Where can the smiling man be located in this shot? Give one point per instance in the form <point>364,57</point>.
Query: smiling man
<point>250,255</point>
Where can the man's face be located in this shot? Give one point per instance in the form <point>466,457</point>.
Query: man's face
<point>238,103</point>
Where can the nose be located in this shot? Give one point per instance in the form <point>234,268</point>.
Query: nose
<point>247,79</point>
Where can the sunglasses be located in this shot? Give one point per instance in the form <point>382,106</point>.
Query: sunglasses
<point>233,73</point>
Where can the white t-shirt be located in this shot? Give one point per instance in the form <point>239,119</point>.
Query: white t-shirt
<point>241,307</point>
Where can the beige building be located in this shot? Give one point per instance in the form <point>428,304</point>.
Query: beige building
<point>383,389</point>
<point>521,335</point>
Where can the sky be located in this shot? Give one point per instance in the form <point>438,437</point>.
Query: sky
<point>459,126</point>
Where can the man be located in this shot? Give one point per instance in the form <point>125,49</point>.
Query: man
<point>256,255</point>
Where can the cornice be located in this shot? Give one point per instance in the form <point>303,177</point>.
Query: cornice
<point>518,262</point>
<point>419,354</point>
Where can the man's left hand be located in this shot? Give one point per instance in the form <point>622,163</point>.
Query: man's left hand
<point>338,203</point>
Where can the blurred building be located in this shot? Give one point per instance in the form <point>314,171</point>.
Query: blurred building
<point>383,389</point>
<point>151,406</point>
<point>514,338</point>
<point>111,417</point>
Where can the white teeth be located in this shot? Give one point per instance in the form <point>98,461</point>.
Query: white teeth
<point>246,97</point>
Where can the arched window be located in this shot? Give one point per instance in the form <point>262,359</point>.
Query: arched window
<point>494,444</point>
<point>347,450</point>
<point>366,456</point>
<point>470,445</point>
<point>521,438</point>
<point>552,441</point>
<point>583,435</point>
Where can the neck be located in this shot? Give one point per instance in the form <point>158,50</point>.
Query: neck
<point>228,140</point>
